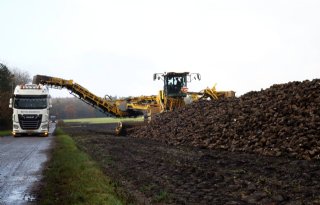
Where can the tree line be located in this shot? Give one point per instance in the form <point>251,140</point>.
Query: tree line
<point>73,108</point>
<point>9,78</point>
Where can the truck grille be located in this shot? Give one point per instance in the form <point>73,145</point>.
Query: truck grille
<point>30,122</point>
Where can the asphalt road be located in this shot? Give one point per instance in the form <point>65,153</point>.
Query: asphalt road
<point>21,165</point>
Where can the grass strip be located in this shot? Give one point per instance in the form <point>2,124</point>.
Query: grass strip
<point>73,178</point>
<point>5,133</point>
<point>103,120</point>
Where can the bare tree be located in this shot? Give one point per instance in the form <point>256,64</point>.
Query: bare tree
<point>20,77</point>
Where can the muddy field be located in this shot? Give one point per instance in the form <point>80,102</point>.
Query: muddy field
<point>155,172</point>
<point>260,148</point>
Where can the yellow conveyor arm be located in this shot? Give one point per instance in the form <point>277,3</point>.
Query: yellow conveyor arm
<point>104,105</point>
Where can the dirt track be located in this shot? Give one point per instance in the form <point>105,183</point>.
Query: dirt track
<point>154,172</point>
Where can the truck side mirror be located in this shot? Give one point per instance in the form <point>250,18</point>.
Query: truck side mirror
<point>154,76</point>
<point>10,103</point>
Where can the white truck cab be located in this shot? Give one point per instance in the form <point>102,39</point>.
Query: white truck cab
<point>31,104</point>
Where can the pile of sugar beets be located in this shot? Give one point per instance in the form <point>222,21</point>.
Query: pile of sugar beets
<point>283,120</point>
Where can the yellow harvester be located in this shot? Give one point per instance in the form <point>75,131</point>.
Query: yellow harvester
<point>172,96</point>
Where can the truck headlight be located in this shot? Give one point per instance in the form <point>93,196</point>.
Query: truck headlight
<point>15,126</point>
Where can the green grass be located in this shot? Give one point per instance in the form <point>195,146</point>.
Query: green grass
<point>102,120</point>
<point>73,178</point>
<point>5,133</point>
<point>162,196</point>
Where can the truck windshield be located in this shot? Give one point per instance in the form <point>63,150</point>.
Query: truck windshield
<point>30,101</point>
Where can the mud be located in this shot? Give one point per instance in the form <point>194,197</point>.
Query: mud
<point>155,172</point>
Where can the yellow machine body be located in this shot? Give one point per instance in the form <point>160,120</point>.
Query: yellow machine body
<point>167,99</point>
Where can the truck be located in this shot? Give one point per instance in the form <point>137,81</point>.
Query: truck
<point>31,104</point>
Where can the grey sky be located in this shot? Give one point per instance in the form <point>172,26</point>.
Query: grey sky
<point>114,47</point>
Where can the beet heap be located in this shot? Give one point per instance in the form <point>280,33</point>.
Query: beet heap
<point>281,120</point>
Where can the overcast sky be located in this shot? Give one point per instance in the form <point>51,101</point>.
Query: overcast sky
<point>114,47</point>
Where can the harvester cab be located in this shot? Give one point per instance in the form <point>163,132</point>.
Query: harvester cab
<point>175,84</point>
